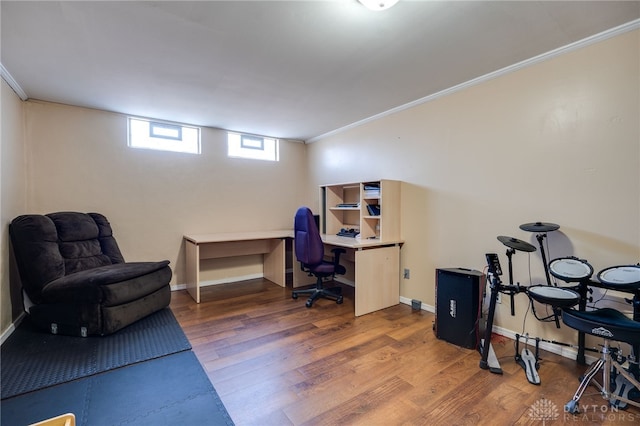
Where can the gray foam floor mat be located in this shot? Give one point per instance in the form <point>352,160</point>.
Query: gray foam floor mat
<point>33,359</point>
<point>173,389</point>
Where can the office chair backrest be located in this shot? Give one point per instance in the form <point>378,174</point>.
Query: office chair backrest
<point>308,244</point>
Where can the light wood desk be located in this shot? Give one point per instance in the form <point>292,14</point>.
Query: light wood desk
<point>374,267</point>
<point>271,244</point>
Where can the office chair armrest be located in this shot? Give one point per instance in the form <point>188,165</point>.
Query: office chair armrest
<point>339,269</point>
<point>336,255</point>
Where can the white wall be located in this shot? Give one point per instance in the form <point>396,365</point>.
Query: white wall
<point>558,142</point>
<point>12,194</point>
<point>79,160</point>
<point>58,157</point>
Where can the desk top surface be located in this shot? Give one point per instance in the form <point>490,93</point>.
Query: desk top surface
<point>335,240</point>
<point>355,243</point>
<point>239,236</point>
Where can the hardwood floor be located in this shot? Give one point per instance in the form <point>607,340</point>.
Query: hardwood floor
<point>275,362</point>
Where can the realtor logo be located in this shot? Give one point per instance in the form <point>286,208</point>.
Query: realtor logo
<point>544,410</point>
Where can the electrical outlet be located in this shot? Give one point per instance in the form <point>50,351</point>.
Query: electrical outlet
<point>406,273</point>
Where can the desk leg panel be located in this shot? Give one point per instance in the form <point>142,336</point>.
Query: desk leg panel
<point>192,266</point>
<point>274,263</point>
<point>377,281</point>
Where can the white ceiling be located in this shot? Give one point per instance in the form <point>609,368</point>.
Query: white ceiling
<point>288,69</point>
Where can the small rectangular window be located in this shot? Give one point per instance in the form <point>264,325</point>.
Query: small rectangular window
<point>252,142</point>
<point>164,130</point>
<point>163,136</point>
<point>254,147</point>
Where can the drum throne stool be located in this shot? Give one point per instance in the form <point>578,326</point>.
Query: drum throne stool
<point>612,325</point>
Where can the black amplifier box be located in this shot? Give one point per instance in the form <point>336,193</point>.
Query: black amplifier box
<point>458,303</point>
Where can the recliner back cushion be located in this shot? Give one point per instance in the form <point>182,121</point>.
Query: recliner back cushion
<point>48,247</point>
<point>35,245</point>
<point>79,241</point>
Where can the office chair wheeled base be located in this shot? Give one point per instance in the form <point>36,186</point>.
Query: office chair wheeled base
<point>333,293</point>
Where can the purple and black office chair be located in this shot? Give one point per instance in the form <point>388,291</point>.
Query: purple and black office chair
<point>309,251</point>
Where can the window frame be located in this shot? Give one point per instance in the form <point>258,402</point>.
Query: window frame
<point>153,125</point>
<point>185,140</point>
<point>239,146</point>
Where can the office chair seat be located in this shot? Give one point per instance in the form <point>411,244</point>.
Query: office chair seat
<point>323,268</point>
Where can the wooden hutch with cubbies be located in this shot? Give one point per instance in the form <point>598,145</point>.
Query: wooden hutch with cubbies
<point>370,208</point>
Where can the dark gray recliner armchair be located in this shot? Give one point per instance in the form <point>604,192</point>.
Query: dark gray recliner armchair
<point>76,279</point>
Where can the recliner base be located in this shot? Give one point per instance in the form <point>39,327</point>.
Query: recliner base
<point>94,319</point>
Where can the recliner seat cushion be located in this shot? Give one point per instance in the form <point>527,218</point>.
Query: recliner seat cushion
<point>109,285</point>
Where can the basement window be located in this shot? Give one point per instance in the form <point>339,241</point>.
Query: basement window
<point>163,136</point>
<point>252,146</point>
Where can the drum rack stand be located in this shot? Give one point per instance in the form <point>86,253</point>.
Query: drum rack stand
<point>489,360</point>
<point>526,359</point>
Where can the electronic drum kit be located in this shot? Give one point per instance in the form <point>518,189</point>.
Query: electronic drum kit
<point>576,273</point>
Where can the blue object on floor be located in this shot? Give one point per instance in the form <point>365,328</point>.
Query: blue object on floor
<point>172,389</point>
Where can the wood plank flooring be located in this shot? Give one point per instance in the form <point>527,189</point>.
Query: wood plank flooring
<point>275,362</point>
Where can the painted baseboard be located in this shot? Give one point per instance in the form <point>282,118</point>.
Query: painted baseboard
<point>423,306</point>
<point>345,281</point>
<point>227,280</point>
<point>6,333</point>
<point>564,351</point>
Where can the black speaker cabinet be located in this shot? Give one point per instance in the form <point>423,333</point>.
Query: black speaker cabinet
<point>458,294</point>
